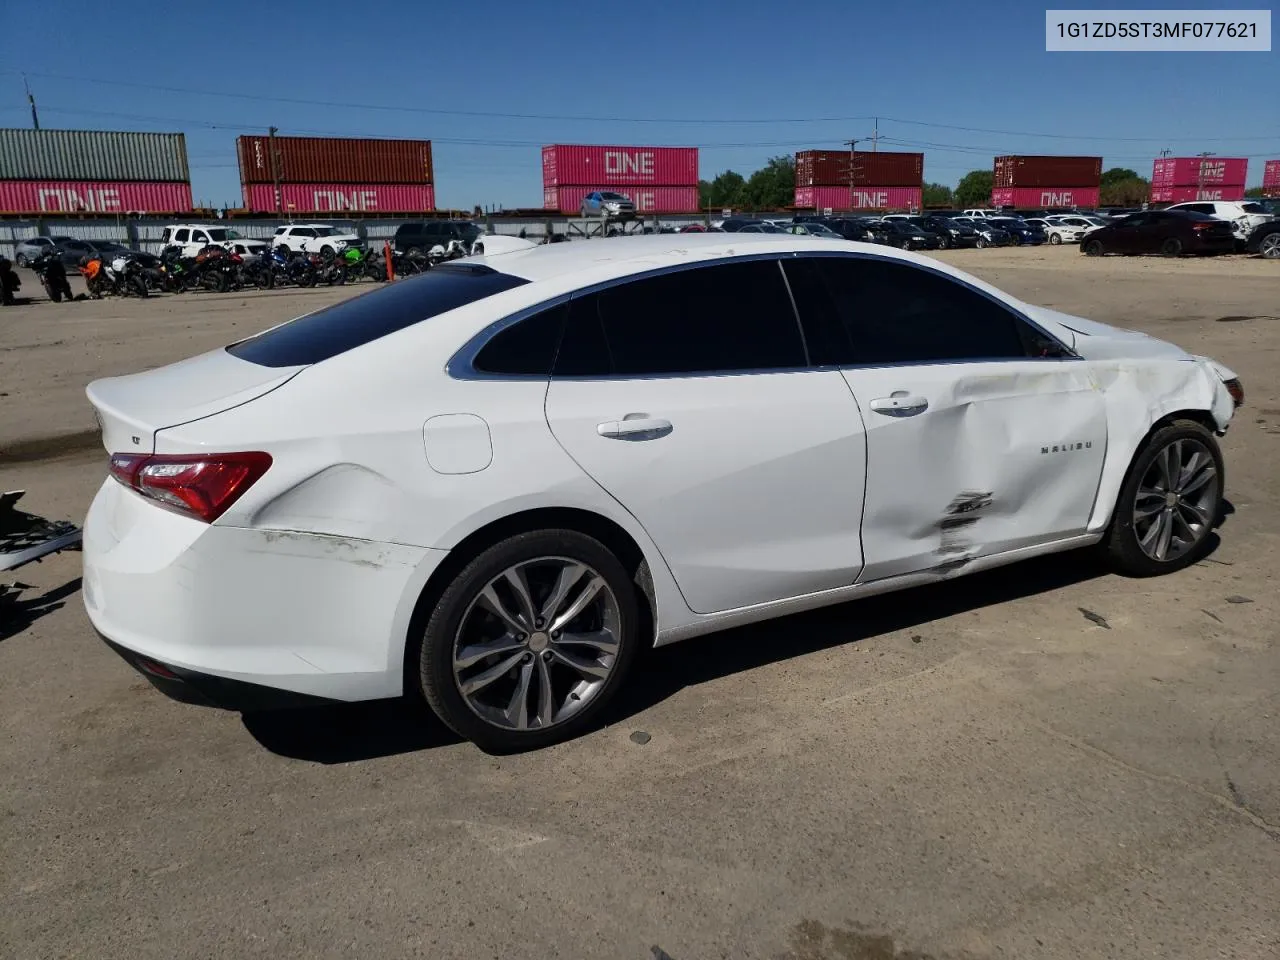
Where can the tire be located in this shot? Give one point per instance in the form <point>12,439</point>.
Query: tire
<point>1055,239</point>
<point>1172,247</point>
<point>327,252</point>
<point>1269,246</point>
<point>982,243</point>
<point>460,620</point>
<point>284,248</point>
<point>21,259</point>
<point>943,243</point>
<point>54,293</point>
<point>413,253</point>
<point>139,287</point>
<point>1195,511</point>
<point>1092,248</point>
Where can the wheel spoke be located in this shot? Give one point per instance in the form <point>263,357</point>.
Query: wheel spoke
<point>1148,541</point>
<point>473,685</point>
<point>587,668</point>
<point>470,655</point>
<point>1188,536</point>
<point>1197,480</point>
<point>490,601</point>
<point>517,712</point>
<point>1166,533</point>
<point>1154,504</point>
<point>1170,464</point>
<point>1198,513</point>
<point>546,706</point>
<point>594,585</point>
<point>601,640</point>
<point>520,587</point>
<point>570,574</point>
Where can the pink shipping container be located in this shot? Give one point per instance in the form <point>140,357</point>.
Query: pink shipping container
<point>1187,194</point>
<point>648,199</point>
<point>860,198</point>
<point>341,197</point>
<point>1271,178</point>
<point>93,196</point>
<point>599,167</point>
<point>1196,171</point>
<point>1044,197</point>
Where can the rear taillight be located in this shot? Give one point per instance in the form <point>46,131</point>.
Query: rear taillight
<point>1202,226</point>
<point>197,486</point>
<point>1236,389</point>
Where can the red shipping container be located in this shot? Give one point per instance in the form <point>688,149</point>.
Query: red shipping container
<point>93,196</point>
<point>828,168</point>
<point>1271,178</point>
<point>1188,194</point>
<point>647,198</point>
<point>1019,171</point>
<point>335,160</point>
<point>1197,171</point>
<point>1037,197</point>
<point>600,167</point>
<point>859,198</point>
<point>341,197</point>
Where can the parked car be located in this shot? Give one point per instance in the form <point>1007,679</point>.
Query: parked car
<point>71,251</point>
<point>1057,233</point>
<point>1019,231</point>
<point>510,562</point>
<point>194,237</point>
<point>1243,215</point>
<point>907,236</point>
<point>322,238</point>
<point>1265,240</point>
<point>762,227</point>
<point>734,224</point>
<point>1170,233</point>
<point>982,213</point>
<point>607,203</point>
<point>425,236</point>
<point>1085,223</point>
<point>811,228</point>
<point>989,235</point>
<point>849,228</point>
<point>249,249</point>
<point>35,247</point>
<point>950,233</point>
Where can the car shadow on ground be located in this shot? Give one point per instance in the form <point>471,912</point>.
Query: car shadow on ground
<point>17,612</point>
<point>352,732</point>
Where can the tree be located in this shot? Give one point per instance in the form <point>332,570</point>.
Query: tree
<point>773,185</point>
<point>974,189</point>
<point>1118,175</point>
<point>1254,193</point>
<point>1128,192</point>
<point>726,190</point>
<point>704,194</point>
<point>936,195</point>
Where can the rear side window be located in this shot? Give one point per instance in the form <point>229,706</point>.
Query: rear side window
<point>353,323</point>
<point>721,318</point>
<point>891,313</point>
<point>181,236</point>
<point>527,347</point>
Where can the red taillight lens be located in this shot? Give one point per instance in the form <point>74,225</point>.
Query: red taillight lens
<point>1236,389</point>
<point>197,486</point>
<point>1202,226</point>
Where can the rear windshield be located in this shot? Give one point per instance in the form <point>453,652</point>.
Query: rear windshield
<point>363,319</point>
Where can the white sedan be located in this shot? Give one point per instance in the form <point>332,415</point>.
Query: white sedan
<point>1058,233</point>
<point>493,484</point>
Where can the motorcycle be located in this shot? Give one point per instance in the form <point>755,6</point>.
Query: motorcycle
<point>126,276</point>
<point>371,266</point>
<point>179,271</point>
<point>259,272</point>
<point>410,264</point>
<point>218,269</point>
<point>53,276</point>
<point>329,269</point>
<point>10,282</point>
<point>300,270</point>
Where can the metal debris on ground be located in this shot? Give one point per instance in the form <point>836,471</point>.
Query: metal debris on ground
<point>1238,599</point>
<point>1097,618</point>
<point>640,737</point>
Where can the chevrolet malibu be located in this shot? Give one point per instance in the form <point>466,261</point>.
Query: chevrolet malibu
<point>493,484</point>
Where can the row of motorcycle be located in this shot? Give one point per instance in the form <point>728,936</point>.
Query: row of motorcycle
<point>220,270</point>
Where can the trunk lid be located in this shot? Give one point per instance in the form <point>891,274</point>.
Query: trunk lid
<point>132,409</point>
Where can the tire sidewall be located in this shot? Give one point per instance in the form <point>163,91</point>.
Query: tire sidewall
<point>435,668</point>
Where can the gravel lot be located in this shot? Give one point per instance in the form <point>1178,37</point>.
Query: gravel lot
<point>1045,761</point>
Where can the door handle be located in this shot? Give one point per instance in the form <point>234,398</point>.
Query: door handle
<point>900,405</point>
<point>634,426</point>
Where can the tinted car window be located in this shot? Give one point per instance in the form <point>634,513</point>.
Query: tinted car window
<point>362,319</point>
<point>526,347</point>
<point>871,312</point>
<point>733,316</point>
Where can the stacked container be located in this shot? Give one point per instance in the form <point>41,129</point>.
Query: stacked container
<point>1180,179</point>
<point>93,171</point>
<point>1046,181</point>
<point>844,180</point>
<point>335,175</point>
<point>1271,179</point>
<point>656,179</point>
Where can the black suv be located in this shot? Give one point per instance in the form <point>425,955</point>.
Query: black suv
<point>424,235</point>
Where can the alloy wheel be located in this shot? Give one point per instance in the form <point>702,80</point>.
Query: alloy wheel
<point>1177,500</point>
<point>537,644</point>
<point>1270,246</point>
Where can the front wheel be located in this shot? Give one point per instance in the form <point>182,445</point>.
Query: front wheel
<point>1055,238</point>
<point>943,242</point>
<point>530,641</point>
<point>1172,247</point>
<point>1169,503</point>
<point>982,243</point>
<point>1269,248</point>
<point>1092,248</point>
<point>21,260</point>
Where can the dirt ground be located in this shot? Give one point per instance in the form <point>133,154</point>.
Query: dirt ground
<point>1044,761</point>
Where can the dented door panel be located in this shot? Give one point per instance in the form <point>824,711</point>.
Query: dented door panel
<point>1002,455</point>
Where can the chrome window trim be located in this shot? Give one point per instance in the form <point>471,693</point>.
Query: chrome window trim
<point>460,365</point>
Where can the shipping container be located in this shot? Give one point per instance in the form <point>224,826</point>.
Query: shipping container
<point>859,198</point>
<point>97,196</point>
<point>334,160</point>
<point>340,198</point>
<point>829,168</point>
<point>647,198</point>
<point>1271,178</point>
<point>93,155</point>
<point>1188,194</point>
<point>1018,171</point>
<point>598,167</point>
<point>1199,171</point>
<point>1040,197</point>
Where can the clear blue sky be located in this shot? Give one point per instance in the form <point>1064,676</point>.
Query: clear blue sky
<point>717,66</point>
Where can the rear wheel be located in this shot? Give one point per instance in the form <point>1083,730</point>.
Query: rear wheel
<point>1092,248</point>
<point>1169,503</point>
<point>21,260</point>
<point>530,641</point>
<point>1269,248</point>
<point>1172,247</point>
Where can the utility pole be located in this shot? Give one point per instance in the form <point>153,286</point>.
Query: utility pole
<point>852,147</point>
<point>35,119</point>
<point>275,168</point>
<point>1200,173</point>
<point>1165,152</point>
<point>875,135</point>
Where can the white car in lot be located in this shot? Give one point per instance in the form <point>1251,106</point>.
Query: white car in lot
<point>1244,215</point>
<point>1085,224</point>
<point>313,238</point>
<point>1058,233</point>
<point>493,484</point>
<point>191,238</point>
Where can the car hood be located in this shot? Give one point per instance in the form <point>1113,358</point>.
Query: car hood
<point>1101,341</point>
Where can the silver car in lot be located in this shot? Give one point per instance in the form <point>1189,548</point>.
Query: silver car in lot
<point>35,247</point>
